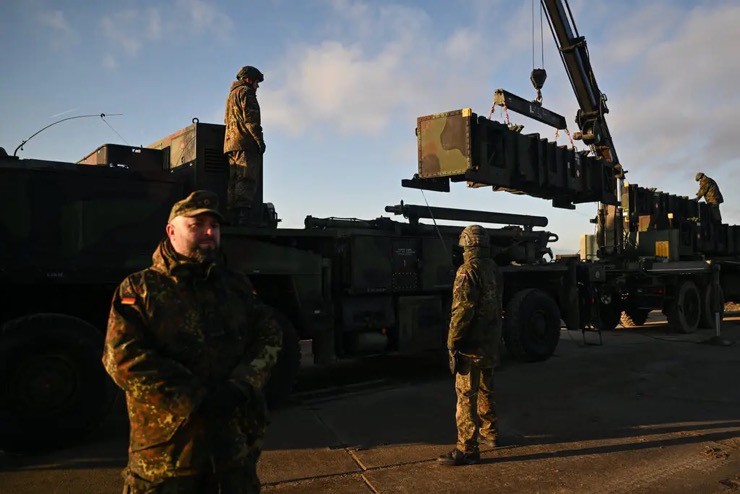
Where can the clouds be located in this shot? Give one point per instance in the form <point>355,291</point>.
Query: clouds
<point>203,17</point>
<point>335,84</point>
<point>55,20</point>
<point>128,31</point>
<point>678,105</point>
<point>377,65</point>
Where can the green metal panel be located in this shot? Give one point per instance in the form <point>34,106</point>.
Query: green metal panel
<point>444,143</point>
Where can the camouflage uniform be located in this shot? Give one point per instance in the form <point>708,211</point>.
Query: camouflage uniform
<point>709,190</point>
<point>177,331</point>
<point>244,144</point>
<point>475,334</point>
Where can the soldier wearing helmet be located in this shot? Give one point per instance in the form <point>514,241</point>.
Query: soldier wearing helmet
<point>472,341</point>
<point>244,144</point>
<point>709,190</point>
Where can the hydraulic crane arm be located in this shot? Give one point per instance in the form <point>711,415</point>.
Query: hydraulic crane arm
<point>591,101</point>
<point>591,115</point>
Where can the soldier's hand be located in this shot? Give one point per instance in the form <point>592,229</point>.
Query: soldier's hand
<point>452,355</point>
<point>222,400</point>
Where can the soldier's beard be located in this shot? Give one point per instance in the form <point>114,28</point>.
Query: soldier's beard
<point>205,254</point>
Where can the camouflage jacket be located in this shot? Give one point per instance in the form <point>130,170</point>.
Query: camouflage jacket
<point>709,190</point>
<point>176,330</point>
<point>475,322</point>
<point>243,121</point>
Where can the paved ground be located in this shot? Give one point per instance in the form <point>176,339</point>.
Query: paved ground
<point>649,411</point>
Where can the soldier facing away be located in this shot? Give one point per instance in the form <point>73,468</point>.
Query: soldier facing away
<point>244,143</point>
<point>709,190</point>
<point>473,340</point>
<point>192,347</point>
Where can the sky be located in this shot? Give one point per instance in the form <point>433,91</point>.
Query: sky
<point>345,81</point>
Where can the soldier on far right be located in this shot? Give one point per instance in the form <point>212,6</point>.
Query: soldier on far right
<point>709,190</point>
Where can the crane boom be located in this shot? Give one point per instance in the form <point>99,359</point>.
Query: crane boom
<point>591,101</point>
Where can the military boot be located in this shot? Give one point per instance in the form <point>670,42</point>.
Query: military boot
<point>456,458</point>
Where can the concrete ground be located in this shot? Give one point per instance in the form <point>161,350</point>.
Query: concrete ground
<point>648,411</point>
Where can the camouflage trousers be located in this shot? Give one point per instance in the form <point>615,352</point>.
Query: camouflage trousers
<point>245,175</point>
<point>476,406</point>
<point>238,481</point>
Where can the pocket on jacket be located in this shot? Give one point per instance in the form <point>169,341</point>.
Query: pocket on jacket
<point>151,427</point>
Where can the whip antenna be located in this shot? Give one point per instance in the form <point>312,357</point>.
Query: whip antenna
<point>101,115</point>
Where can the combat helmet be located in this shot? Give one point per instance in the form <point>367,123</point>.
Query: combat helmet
<point>699,176</point>
<point>474,236</point>
<point>249,72</point>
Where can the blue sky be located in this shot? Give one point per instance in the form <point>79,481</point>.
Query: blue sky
<point>345,81</point>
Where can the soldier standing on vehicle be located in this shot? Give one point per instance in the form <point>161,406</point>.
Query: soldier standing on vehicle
<point>192,346</point>
<point>709,190</point>
<point>244,143</point>
<point>473,341</point>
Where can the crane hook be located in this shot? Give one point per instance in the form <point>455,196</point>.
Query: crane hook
<point>538,78</point>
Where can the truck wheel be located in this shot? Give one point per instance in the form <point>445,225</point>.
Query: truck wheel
<point>634,317</point>
<point>531,325</point>
<point>707,314</point>
<point>54,387</point>
<point>285,372</point>
<point>685,311</point>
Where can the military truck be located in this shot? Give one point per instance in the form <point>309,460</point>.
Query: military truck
<point>70,232</point>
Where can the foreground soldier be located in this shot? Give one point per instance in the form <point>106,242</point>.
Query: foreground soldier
<point>473,341</point>
<point>192,346</point>
<point>709,190</point>
<point>244,143</point>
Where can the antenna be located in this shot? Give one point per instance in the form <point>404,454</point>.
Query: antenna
<point>102,115</point>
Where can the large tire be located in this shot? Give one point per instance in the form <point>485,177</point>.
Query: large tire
<point>285,372</point>
<point>531,325</point>
<point>685,311</point>
<point>53,385</point>
<point>707,314</point>
<point>634,317</point>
